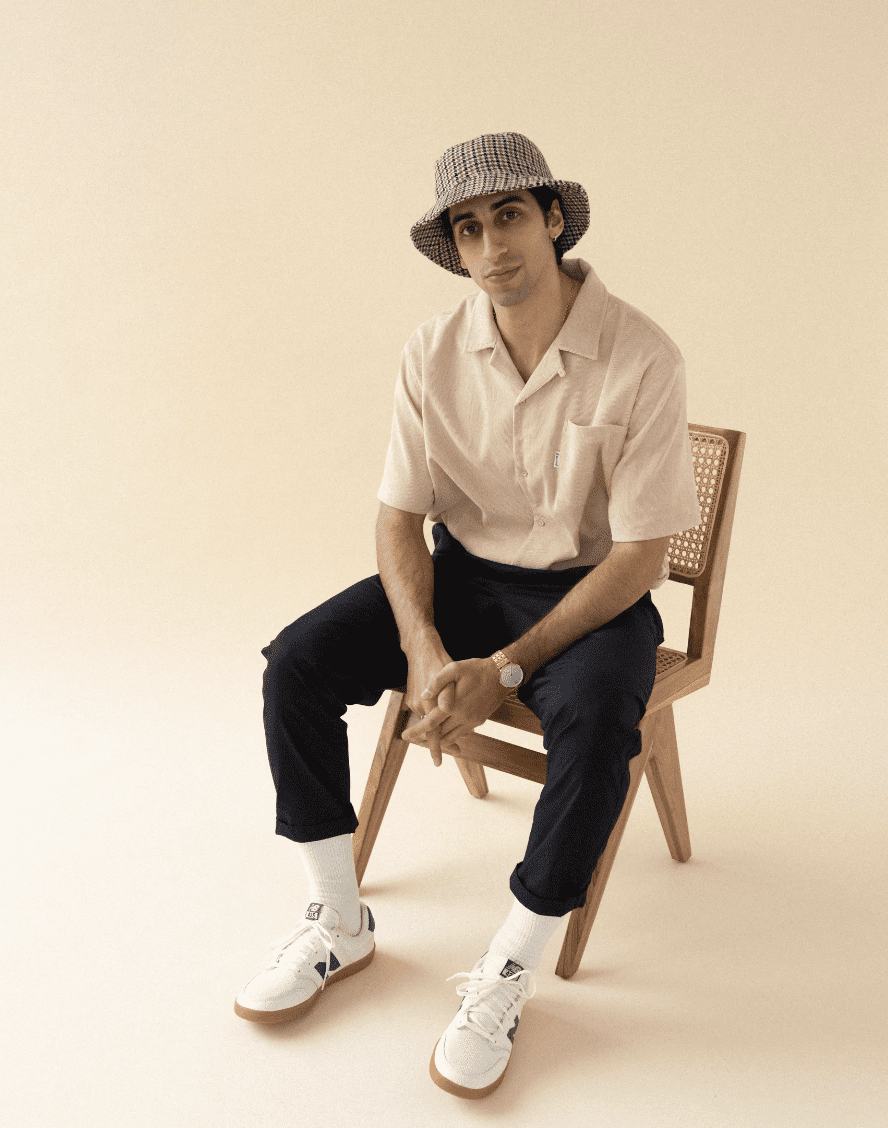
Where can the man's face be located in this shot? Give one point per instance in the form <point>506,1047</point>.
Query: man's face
<point>505,242</point>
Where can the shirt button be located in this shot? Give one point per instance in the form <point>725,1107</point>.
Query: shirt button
<point>524,472</point>
<point>541,520</point>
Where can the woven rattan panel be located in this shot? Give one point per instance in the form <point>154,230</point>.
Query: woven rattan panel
<point>669,659</point>
<point>688,550</point>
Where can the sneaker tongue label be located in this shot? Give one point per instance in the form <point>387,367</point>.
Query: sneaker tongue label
<point>313,911</point>
<point>511,968</point>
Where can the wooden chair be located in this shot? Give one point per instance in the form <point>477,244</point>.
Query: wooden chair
<point>698,557</point>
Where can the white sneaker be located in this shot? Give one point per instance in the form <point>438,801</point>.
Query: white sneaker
<point>318,952</point>
<point>471,1057</point>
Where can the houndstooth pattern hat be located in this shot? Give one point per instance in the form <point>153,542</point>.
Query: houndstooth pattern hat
<point>492,163</point>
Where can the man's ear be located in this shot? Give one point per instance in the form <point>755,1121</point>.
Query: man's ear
<point>555,221</point>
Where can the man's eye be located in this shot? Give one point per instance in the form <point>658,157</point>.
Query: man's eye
<point>469,229</point>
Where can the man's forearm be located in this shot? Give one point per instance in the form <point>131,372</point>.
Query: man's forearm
<point>615,584</point>
<point>408,576</point>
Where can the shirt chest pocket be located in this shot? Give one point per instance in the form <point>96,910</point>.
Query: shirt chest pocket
<point>585,463</point>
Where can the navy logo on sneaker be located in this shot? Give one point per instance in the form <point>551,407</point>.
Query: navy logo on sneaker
<point>327,969</point>
<point>511,968</point>
<point>324,970</point>
<point>371,922</point>
<point>313,911</point>
<point>510,1034</point>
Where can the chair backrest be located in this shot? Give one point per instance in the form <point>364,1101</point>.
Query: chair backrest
<point>699,556</point>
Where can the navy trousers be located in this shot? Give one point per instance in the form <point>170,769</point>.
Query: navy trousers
<point>589,700</point>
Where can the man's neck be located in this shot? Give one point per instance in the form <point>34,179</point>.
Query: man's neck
<point>529,329</point>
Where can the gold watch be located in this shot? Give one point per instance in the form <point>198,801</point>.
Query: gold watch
<point>510,673</point>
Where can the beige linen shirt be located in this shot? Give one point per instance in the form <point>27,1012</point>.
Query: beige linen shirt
<point>593,449</point>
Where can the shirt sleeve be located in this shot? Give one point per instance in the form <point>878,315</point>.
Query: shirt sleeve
<point>406,483</point>
<point>653,490</point>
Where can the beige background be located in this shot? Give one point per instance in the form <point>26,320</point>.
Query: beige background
<point>207,281</point>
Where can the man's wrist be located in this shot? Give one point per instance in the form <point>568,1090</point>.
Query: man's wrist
<point>521,655</point>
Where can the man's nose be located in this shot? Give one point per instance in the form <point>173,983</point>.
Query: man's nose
<point>494,245</point>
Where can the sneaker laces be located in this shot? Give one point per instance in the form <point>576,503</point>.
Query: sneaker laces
<point>490,997</point>
<point>289,952</point>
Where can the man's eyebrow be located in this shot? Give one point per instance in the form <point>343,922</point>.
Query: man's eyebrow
<point>493,207</point>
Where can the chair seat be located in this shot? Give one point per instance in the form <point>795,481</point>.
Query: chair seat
<point>669,660</point>
<point>516,714</point>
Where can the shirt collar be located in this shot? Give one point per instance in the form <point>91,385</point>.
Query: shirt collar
<point>579,334</point>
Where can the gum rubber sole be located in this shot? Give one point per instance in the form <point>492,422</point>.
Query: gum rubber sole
<point>460,1090</point>
<point>289,1013</point>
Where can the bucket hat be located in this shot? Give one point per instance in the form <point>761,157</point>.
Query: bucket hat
<point>491,163</point>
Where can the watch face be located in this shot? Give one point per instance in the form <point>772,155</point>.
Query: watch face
<point>511,675</point>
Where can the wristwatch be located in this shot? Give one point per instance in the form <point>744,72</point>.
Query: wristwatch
<point>510,673</point>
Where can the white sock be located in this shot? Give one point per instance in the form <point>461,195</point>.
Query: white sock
<point>330,868</point>
<point>523,935</point>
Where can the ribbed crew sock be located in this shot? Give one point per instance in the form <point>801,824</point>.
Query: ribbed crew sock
<point>330,868</point>
<point>523,935</point>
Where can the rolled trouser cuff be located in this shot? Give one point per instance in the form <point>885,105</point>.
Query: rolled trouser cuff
<point>544,906</point>
<point>348,824</point>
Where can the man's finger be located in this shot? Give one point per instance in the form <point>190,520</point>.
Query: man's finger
<point>435,747</point>
<point>422,726</point>
<point>428,730</point>
<point>435,715</point>
<point>439,682</point>
<point>435,735</point>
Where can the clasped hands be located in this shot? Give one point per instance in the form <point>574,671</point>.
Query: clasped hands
<point>461,696</point>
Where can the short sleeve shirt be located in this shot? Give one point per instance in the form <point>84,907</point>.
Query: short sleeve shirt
<point>593,449</point>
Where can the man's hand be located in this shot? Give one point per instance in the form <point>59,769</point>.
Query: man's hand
<point>433,740</point>
<point>426,657</point>
<point>476,693</point>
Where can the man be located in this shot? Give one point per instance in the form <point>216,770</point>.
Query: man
<point>541,426</point>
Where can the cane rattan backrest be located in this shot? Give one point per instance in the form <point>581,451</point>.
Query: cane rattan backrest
<point>688,551</point>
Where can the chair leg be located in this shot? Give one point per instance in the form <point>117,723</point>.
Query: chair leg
<point>580,924</point>
<point>473,774</point>
<point>664,776</point>
<point>390,753</point>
